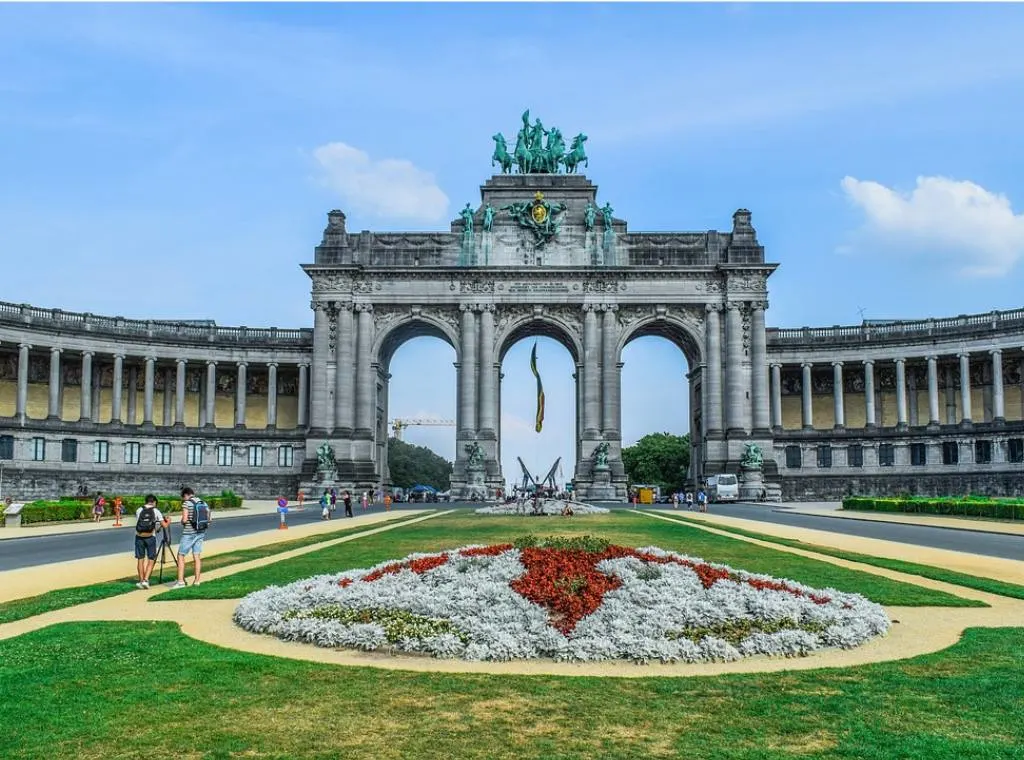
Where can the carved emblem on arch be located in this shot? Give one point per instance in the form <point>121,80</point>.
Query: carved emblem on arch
<point>477,286</point>
<point>324,282</point>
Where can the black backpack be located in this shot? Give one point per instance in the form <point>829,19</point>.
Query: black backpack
<point>146,523</point>
<point>199,517</point>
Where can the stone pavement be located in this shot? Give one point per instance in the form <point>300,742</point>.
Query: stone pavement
<point>834,509</point>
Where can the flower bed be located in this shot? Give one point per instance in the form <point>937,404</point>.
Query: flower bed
<point>566,599</point>
<point>545,507</point>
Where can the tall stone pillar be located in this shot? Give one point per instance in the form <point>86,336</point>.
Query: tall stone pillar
<point>211,393</point>
<point>202,403</point>
<point>241,388</point>
<point>591,374</point>
<point>998,401</point>
<point>303,395</point>
<point>776,397</point>
<point>933,390</point>
<point>272,395</point>
<point>22,403</point>
<point>734,385</point>
<point>805,394</point>
<point>366,385</point>
<point>488,403</point>
<point>467,374</point>
<point>965,389</point>
<point>839,407</point>
<point>54,409</point>
<point>319,395</point>
<point>869,393</point>
<point>901,394</point>
<point>759,370</point>
<point>611,410</point>
<point>115,390</point>
<point>133,392</point>
<point>147,397</point>
<point>344,374</point>
<point>179,394</point>
<point>168,374</point>
<point>713,386</point>
<point>85,412</point>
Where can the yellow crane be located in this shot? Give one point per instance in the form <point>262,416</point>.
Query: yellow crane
<point>398,425</point>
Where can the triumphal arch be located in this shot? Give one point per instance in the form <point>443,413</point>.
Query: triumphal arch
<point>541,254</point>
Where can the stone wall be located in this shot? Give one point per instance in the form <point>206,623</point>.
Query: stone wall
<point>835,487</point>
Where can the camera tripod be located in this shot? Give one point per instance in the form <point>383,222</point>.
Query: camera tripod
<point>165,547</point>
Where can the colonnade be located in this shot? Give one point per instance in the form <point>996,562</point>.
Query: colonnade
<point>735,385</point>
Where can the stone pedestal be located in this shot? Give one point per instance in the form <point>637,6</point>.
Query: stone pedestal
<point>751,483</point>
<point>601,488</point>
<point>475,488</point>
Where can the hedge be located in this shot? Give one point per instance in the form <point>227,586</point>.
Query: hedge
<point>80,508</point>
<point>966,506</point>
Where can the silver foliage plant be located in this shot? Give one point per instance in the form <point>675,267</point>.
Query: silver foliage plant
<point>546,507</point>
<point>661,612</point>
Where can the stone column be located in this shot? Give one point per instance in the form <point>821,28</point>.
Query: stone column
<point>713,386</point>
<point>933,390</point>
<point>272,395</point>
<point>179,394</point>
<point>734,385</point>
<point>776,397</point>
<point>85,413</point>
<point>591,374</point>
<point>202,404</point>
<point>240,392</point>
<point>467,373</point>
<point>319,396</point>
<point>344,373</point>
<point>998,402</point>
<point>839,408</point>
<point>366,385</point>
<point>22,404</point>
<point>303,395</point>
<point>115,390</point>
<point>54,409</point>
<point>805,396</point>
<point>211,393</point>
<point>965,389</point>
<point>759,369</point>
<point>950,396</point>
<point>611,412</point>
<point>488,411</point>
<point>901,394</point>
<point>133,391</point>
<point>869,393</point>
<point>168,374</point>
<point>147,397</point>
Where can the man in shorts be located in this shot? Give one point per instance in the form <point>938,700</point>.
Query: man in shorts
<point>191,539</point>
<point>146,528</point>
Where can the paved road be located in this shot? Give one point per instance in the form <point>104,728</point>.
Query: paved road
<point>40,550</point>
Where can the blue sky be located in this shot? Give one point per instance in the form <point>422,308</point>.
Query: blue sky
<point>179,160</point>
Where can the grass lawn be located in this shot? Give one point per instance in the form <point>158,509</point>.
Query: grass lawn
<point>96,691</point>
<point>623,527</point>
<point>988,585</point>
<point>19,609</point>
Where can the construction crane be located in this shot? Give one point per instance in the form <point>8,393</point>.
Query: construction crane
<point>398,425</point>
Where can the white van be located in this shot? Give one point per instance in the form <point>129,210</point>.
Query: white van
<point>723,487</point>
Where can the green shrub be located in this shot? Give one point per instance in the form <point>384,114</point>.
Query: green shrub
<point>68,508</point>
<point>966,506</point>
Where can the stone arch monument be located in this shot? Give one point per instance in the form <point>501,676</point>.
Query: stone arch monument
<point>539,256</point>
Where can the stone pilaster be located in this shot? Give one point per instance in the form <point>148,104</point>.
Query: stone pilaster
<point>901,394</point>
<point>807,407</point>
<point>22,403</point>
<point>320,412</point>
<point>344,373</point>
<point>168,375</point>
<point>776,384</point>
<point>240,392</point>
<point>211,393</point>
<point>998,400</point>
<point>488,403</point>
<point>179,393</point>
<point>611,413</point>
<point>54,410</point>
<point>85,410</point>
<point>869,394</point>
<point>133,392</point>
<point>965,389</point>
<point>147,393</point>
<point>734,385</point>
<point>115,391</point>
<point>591,374</point>
<point>933,391</point>
<point>272,395</point>
<point>467,375</point>
<point>303,395</point>
<point>839,407</point>
<point>713,385</point>
<point>759,370</point>
<point>366,387</point>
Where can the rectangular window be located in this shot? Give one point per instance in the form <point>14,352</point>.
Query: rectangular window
<point>793,458</point>
<point>100,452</point>
<point>255,456</point>
<point>38,449</point>
<point>163,453</point>
<point>132,452</point>
<point>855,455</point>
<point>6,447</point>
<point>918,455</point>
<point>69,450</point>
<point>825,456</point>
<point>982,452</point>
<point>224,454</point>
<point>285,456</point>
<point>950,452</point>
<point>886,455</point>
<point>1015,450</point>
<point>194,454</point>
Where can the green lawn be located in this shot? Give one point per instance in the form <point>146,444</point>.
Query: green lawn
<point>624,527</point>
<point>97,691</point>
<point>19,609</point>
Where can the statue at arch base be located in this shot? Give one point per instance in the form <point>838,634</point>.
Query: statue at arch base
<point>752,486</point>
<point>475,487</point>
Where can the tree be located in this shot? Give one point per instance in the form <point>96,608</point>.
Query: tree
<point>660,459</point>
<point>410,465</point>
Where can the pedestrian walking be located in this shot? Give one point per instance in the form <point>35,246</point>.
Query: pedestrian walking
<point>302,496</point>
<point>702,501</point>
<point>366,501</point>
<point>689,500</point>
<point>387,502</point>
<point>334,501</point>
<point>675,500</point>
<point>118,511</point>
<point>98,505</point>
<point>348,504</point>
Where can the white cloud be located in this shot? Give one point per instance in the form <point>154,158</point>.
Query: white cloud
<point>960,220</point>
<point>389,188</point>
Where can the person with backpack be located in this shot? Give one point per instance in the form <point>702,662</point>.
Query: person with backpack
<point>195,520</point>
<point>702,501</point>
<point>147,522</point>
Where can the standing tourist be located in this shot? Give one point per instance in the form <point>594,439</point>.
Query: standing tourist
<point>147,522</point>
<point>702,501</point>
<point>689,500</point>
<point>98,505</point>
<point>675,500</point>
<point>334,501</point>
<point>118,511</point>
<point>366,501</point>
<point>387,502</point>
<point>195,520</point>
<point>348,504</point>
<point>302,496</point>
